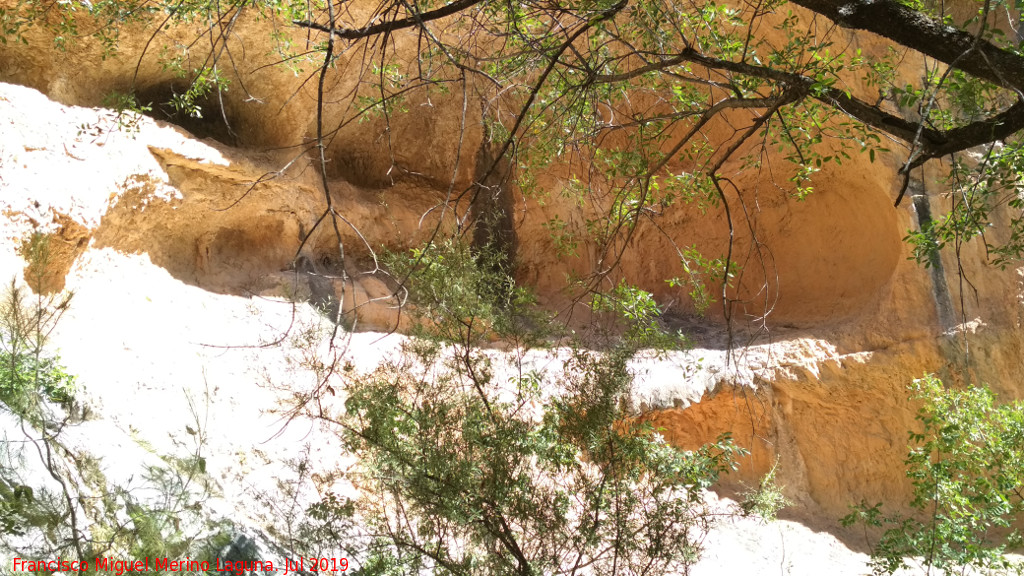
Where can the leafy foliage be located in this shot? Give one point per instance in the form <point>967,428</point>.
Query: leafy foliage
<point>698,270</point>
<point>766,499</point>
<point>29,373</point>
<point>463,295</point>
<point>24,374</point>
<point>477,464</point>
<point>967,468</point>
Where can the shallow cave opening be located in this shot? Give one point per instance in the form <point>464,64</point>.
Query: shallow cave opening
<point>209,121</point>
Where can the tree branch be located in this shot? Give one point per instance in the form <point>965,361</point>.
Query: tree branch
<point>962,50</point>
<point>933,143</point>
<point>392,25</point>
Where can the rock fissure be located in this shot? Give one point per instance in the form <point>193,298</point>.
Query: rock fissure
<point>940,288</point>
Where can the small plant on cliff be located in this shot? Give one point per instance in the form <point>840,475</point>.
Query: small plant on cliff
<point>766,499</point>
<point>966,464</point>
<point>483,463</point>
<point>29,372</point>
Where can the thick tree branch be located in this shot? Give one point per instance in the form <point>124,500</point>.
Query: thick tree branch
<point>981,132</point>
<point>932,143</point>
<point>930,37</point>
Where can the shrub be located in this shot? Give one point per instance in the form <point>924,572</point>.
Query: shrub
<point>966,465</point>
<point>466,471</point>
<point>28,372</point>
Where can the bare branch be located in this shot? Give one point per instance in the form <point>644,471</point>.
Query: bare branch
<point>391,25</point>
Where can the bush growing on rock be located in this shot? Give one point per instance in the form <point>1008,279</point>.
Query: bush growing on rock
<point>471,468</point>
<point>966,464</point>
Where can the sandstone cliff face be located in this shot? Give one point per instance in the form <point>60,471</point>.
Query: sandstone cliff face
<point>835,319</point>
